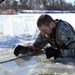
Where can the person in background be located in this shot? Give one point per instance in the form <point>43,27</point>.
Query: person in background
<point>60,34</point>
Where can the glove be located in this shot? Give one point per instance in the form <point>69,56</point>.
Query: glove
<point>25,50</point>
<point>22,50</point>
<point>51,52</point>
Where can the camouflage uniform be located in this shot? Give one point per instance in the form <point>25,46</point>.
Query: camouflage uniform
<point>63,38</point>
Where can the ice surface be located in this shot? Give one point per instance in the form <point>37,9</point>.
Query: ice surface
<point>22,30</point>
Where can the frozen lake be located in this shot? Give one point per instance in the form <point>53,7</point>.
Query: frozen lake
<point>26,23</point>
<point>38,64</point>
<point>22,30</point>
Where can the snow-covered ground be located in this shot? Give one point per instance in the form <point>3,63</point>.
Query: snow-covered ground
<point>26,23</point>
<point>21,29</point>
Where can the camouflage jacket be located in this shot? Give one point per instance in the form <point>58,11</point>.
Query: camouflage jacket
<point>62,38</point>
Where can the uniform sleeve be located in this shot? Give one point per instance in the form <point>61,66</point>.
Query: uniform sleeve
<point>67,36</point>
<point>41,41</point>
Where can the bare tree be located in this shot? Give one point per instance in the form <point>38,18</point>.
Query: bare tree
<point>37,5</point>
<point>14,5</point>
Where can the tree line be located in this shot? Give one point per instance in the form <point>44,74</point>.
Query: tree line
<point>37,5</point>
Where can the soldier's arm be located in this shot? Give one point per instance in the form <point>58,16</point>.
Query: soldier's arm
<point>41,41</point>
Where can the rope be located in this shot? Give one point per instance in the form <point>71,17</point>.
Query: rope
<point>21,56</point>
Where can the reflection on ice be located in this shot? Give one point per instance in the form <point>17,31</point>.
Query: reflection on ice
<point>8,42</point>
<point>12,41</point>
